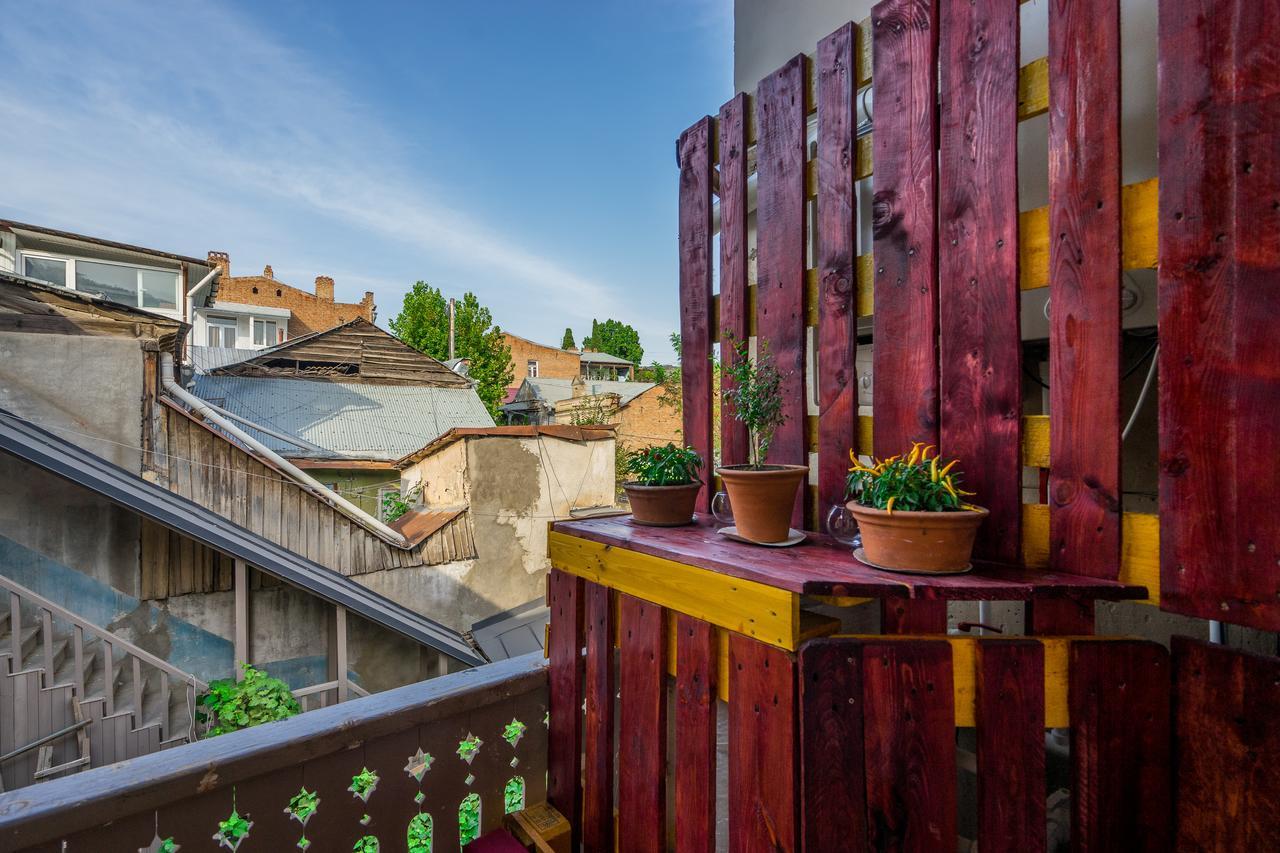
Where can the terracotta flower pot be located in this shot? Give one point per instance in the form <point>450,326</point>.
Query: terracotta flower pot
<point>762,499</point>
<point>940,542</point>
<point>662,506</point>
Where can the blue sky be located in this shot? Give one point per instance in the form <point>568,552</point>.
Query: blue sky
<point>521,150</point>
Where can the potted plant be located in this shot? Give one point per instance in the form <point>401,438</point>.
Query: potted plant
<point>761,495</point>
<point>912,515</point>
<point>665,484</point>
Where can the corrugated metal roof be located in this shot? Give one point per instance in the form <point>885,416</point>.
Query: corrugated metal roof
<point>352,420</point>
<point>204,359</point>
<point>552,391</point>
<point>592,357</point>
<point>28,442</point>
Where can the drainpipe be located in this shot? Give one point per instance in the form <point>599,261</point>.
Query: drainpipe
<point>328,495</point>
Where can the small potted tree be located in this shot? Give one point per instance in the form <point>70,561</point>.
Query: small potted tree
<point>912,515</point>
<point>665,485</point>
<point>761,495</point>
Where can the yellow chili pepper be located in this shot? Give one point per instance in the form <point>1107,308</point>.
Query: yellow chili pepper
<point>889,506</point>
<point>946,470</point>
<point>933,469</point>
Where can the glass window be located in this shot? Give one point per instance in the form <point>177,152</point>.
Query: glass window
<point>264,333</point>
<point>222,332</point>
<point>51,270</point>
<point>159,289</point>
<point>117,283</point>
<point>533,369</point>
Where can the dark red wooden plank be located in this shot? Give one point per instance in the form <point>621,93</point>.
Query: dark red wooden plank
<point>733,261</point>
<point>832,772</point>
<point>1010,732</point>
<point>780,251</point>
<point>837,253</point>
<point>762,747</point>
<point>1118,692</point>
<point>1060,617</point>
<point>564,736</point>
<point>910,741</point>
<point>913,616</point>
<point>978,296</point>
<point>1084,288</point>
<point>642,730</point>
<point>1226,747</point>
<point>597,795</point>
<point>904,51</point>
<point>1219,108</point>
<point>693,153</point>
<point>696,664</point>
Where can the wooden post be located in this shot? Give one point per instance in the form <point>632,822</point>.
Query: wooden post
<point>241,617</point>
<point>340,641</point>
<point>15,630</point>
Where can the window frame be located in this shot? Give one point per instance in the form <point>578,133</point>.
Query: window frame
<point>70,262</point>
<point>222,322</point>
<point>531,368</point>
<point>254,323</point>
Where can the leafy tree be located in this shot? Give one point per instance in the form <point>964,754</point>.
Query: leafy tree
<point>423,323</point>
<point>568,343</point>
<point>615,338</point>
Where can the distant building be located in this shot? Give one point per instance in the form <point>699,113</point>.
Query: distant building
<point>532,360</point>
<point>639,409</point>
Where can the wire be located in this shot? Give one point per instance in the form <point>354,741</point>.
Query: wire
<point>1142,396</point>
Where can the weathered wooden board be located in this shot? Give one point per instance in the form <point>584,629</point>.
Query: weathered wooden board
<point>780,251</point>
<point>1219,107</point>
<point>695,746</point>
<point>1226,747</point>
<point>837,278</point>
<point>1010,712</point>
<point>833,794</point>
<point>1120,739</point>
<point>599,686</point>
<point>981,348</point>
<point>913,616</point>
<point>1084,291</point>
<point>905,56</point>
<point>1060,617</point>
<point>909,737</point>
<point>642,729</point>
<point>564,789</point>
<point>694,155</point>
<point>763,792</point>
<point>733,305</point>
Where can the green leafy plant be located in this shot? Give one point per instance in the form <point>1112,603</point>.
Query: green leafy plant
<point>168,845</point>
<point>303,805</point>
<point>419,836</point>
<point>255,699</point>
<point>468,747</point>
<point>233,830</point>
<point>615,338</point>
<point>513,795</point>
<point>753,390</point>
<point>912,482</point>
<point>363,783</point>
<point>567,341</point>
<point>513,731</point>
<point>663,466</point>
<point>367,844</point>
<point>395,504</point>
<point>469,819</point>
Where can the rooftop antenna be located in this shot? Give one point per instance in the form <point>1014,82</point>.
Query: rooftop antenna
<point>451,311</point>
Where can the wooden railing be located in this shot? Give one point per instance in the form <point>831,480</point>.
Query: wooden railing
<point>137,660</point>
<point>427,767</point>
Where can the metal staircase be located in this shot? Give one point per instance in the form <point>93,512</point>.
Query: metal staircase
<point>73,695</point>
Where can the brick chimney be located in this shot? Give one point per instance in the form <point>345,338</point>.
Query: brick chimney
<point>222,261</point>
<point>578,385</point>
<point>324,288</point>
<point>371,310</point>
<point>267,272</point>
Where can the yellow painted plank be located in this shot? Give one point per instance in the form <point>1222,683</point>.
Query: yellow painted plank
<point>1033,89</point>
<point>1139,546</point>
<point>1138,234</point>
<point>762,612</point>
<point>1035,441</point>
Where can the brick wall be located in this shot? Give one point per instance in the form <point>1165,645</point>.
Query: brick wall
<point>553,363</point>
<point>311,312</point>
<point>645,421</point>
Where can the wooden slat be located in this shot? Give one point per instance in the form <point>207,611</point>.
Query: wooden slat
<point>597,795</point>
<point>694,155</point>
<point>780,251</point>
<point>642,737</point>
<point>1084,327</point>
<point>1120,792</point>
<point>564,737</point>
<point>905,49</point>
<point>1227,745</point>
<point>1219,396</point>
<point>981,349</point>
<point>909,736</point>
<point>734,312</point>
<point>913,616</point>
<point>695,733</point>
<point>1140,552</point>
<point>832,777</point>
<point>837,248</point>
<point>1010,746</point>
<point>763,790</point>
